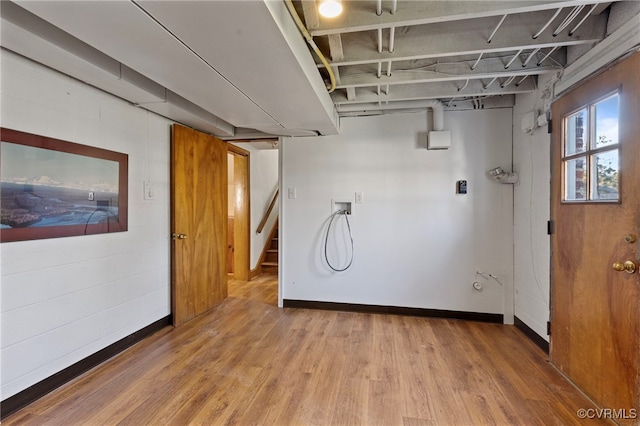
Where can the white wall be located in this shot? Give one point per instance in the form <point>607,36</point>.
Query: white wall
<point>417,243</point>
<point>63,299</point>
<point>263,182</point>
<point>531,157</point>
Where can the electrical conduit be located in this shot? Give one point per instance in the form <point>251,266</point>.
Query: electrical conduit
<point>307,36</point>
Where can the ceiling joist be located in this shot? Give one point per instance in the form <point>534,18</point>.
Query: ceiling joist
<point>486,69</point>
<point>444,90</point>
<point>361,15</point>
<point>395,54</point>
<point>469,38</point>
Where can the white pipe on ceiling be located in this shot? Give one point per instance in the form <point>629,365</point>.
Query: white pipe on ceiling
<point>569,19</point>
<point>521,80</point>
<point>584,18</point>
<point>496,28</point>
<point>490,83</point>
<point>508,82</point>
<point>392,37</point>
<point>513,59</point>
<point>544,27</point>
<point>531,55</point>
<point>436,106</point>
<point>475,64</point>
<point>547,55</point>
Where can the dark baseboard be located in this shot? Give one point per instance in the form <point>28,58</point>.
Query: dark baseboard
<point>532,335</point>
<point>43,387</point>
<point>394,310</point>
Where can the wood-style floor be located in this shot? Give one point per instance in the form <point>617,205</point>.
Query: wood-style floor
<point>249,363</point>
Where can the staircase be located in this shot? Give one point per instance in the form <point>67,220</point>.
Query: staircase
<point>270,258</point>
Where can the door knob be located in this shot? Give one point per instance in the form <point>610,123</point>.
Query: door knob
<point>178,236</point>
<point>629,267</point>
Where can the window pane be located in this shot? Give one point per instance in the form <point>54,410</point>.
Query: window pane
<point>605,178</point>
<point>606,121</point>
<point>575,179</point>
<point>576,128</point>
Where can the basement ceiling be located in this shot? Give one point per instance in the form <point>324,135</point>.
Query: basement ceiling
<point>241,69</point>
<point>390,55</point>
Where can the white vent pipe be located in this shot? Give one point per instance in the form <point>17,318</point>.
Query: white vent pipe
<point>438,114</point>
<point>370,109</point>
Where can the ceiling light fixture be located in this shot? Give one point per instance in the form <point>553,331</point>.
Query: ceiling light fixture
<point>330,8</point>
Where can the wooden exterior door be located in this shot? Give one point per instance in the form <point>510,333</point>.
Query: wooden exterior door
<point>198,223</point>
<point>595,312</point>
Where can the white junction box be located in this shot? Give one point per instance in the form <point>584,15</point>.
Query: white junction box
<point>340,204</point>
<point>528,122</point>
<point>439,139</point>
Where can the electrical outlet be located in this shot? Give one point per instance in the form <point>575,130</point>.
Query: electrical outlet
<point>359,198</point>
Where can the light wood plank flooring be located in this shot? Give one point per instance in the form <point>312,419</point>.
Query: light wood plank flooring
<point>249,363</point>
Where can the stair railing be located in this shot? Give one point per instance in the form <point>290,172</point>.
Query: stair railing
<point>263,222</point>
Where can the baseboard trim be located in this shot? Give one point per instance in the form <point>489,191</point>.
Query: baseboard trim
<point>255,272</point>
<point>532,335</point>
<point>394,310</point>
<point>43,387</point>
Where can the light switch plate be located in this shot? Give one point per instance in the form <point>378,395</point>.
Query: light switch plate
<point>148,191</point>
<point>292,193</point>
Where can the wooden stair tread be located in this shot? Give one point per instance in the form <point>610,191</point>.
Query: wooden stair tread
<point>269,257</point>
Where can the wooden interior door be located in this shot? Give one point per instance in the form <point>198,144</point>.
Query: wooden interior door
<point>595,309</point>
<point>230,243</point>
<point>241,214</point>
<point>198,222</point>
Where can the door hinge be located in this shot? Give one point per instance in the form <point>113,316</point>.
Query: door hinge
<point>551,227</point>
<point>548,328</point>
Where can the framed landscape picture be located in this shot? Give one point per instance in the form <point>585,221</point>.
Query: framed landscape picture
<point>51,188</point>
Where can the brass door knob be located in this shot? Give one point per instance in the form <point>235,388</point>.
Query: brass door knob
<point>629,267</point>
<point>178,236</point>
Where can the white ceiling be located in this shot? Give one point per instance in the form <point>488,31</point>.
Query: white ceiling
<point>240,69</point>
<point>403,52</point>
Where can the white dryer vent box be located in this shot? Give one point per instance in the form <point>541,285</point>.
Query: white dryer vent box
<point>439,140</point>
<point>528,122</point>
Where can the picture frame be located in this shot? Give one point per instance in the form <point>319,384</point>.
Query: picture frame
<point>51,188</point>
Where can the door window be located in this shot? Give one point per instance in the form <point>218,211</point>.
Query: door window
<point>590,155</point>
